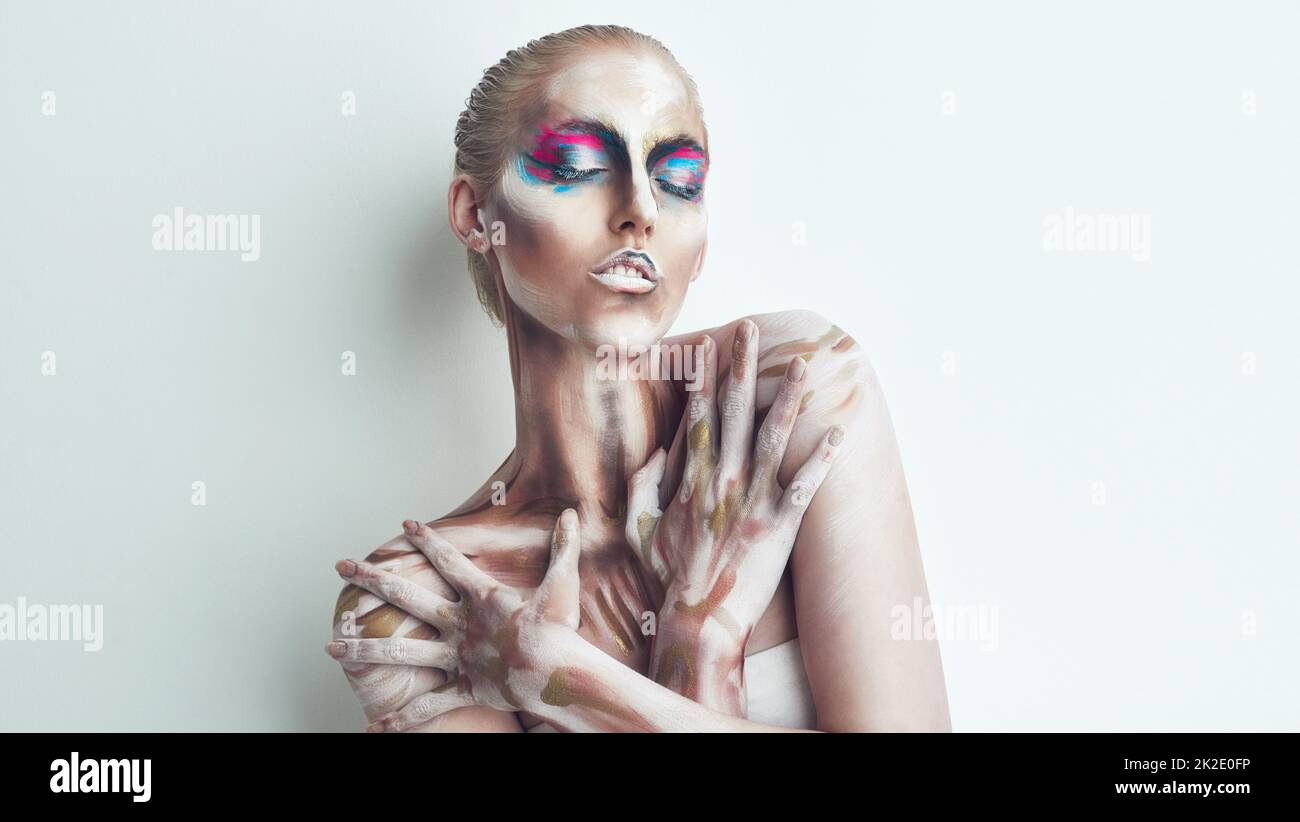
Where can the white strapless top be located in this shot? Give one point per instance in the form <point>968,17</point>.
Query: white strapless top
<point>776,687</point>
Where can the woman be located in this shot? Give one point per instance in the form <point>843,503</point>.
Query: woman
<point>626,567</point>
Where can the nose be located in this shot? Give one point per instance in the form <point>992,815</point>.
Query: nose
<point>637,210</point>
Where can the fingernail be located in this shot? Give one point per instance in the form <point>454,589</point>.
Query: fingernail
<point>346,567</point>
<point>411,527</point>
<point>738,350</point>
<point>795,372</point>
<point>569,519</point>
<point>375,727</point>
<point>837,435</point>
<point>336,649</point>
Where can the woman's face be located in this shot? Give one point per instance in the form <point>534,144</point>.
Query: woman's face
<point>602,201</point>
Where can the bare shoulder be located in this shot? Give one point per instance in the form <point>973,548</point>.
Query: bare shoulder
<point>840,380</point>
<point>357,613</point>
<point>509,545</point>
<point>382,689</point>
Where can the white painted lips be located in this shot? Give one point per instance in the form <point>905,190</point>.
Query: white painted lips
<point>628,273</point>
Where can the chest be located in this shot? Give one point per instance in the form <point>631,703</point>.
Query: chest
<point>618,601</point>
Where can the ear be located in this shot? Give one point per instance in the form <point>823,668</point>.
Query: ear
<point>463,208</point>
<point>699,263</point>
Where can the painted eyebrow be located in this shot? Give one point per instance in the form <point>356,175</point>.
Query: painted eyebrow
<point>595,128</point>
<point>665,147</point>
<point>614,140</point>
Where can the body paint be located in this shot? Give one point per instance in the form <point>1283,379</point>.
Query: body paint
<point>563,158</point>
<point>681,172</point>
<point>572,686</point>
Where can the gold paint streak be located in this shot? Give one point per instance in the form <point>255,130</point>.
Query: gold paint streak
<point>803,403</point>
<point>677,652</point>
<point>718,519</point>
<point>421,632</point>
<point>381,622</point>
<point>701,435</point>
<point>621,639</point>
<point>779,369</point>
<point>347,602</point>
<point>566,687</point>
<point>558,692</point>
<point>646,523</point>
<point>448,614</point>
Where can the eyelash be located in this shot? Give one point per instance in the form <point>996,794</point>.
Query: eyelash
<point>685,192</point>
<point>571,174</point>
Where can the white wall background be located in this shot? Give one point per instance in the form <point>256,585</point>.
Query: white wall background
<point>924,236</point>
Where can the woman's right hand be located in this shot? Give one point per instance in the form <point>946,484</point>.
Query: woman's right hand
<point>722,545</point>
<point>495,646</point>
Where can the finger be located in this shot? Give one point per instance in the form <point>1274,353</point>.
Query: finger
<point>556,599</point>
<point>395,651</point>
<point>643,511</point>
<point>676,464</point>
<point>411,597</point>
<point>466,577</point>
<point>774,434</point>
<point>737,410</point>
<point>798,496</point>
<point>420,710</point>
<point>702,417</point>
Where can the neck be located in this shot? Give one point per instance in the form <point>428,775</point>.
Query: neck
<point>579,434</point>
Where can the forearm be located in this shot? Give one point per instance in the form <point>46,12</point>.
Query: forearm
<point>587,690</point>
<point>693,655</point>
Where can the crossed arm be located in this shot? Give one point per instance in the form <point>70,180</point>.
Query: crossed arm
<point>855,557</point>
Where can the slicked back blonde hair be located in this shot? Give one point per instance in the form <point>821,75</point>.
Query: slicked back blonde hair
<point>486,129</point>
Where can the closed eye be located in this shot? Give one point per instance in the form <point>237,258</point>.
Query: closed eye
<point>679,166</point>
<point>686,192</point>
<point>571,174</point>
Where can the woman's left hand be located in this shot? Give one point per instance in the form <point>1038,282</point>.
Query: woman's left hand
<point>492,642</point>
<point>722,543</point>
